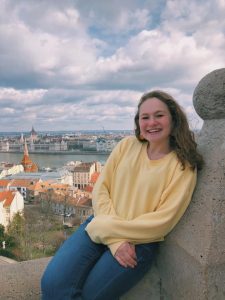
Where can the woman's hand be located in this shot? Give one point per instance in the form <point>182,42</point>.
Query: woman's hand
<point>126,255</point>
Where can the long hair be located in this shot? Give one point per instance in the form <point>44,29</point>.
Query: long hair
<point>182,139</point>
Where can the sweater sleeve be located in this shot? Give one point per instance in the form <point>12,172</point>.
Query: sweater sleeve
<point>152,226</point>
<point>101,199</point>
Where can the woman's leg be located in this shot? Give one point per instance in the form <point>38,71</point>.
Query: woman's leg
<point>109,280</point>
<point>64,276</point>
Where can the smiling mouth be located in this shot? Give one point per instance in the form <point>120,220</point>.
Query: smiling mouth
<point>151,131</point>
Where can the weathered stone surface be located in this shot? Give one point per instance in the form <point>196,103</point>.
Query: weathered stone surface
<point>192,260</point>
<point>21,281</point>
<point>147,289</point>
<point>208,99</point>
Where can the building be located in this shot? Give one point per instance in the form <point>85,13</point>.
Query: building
<point>78,206</point>
<point>61,175</point>
<point>33,135</point>
<point>94,178</point>
<point>27,163</point>
<point>82,174</point>
<point>11,202</point>
<point>89,145</point>
<point>7,169</point>
<point>20,185</point>
<point>44,146</point>
<point>105,145</point>
<point>4,184</point>
<point>4,146</point>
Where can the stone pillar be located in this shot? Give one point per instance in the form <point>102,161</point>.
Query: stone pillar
<point>192,260</point>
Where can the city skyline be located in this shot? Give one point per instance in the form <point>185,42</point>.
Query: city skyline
<point>82,65</point>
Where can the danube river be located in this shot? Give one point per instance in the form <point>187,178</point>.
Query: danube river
<point>52,160</point>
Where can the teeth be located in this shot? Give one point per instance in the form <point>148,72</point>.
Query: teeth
<point>153,130</point>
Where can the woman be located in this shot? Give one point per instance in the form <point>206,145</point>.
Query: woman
<point>142,192</point>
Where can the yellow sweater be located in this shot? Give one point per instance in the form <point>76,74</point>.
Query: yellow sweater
<point>137,199</point>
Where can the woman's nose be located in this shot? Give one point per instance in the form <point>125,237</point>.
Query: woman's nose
<point>152,121</point>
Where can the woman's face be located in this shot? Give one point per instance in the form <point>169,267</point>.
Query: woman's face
<point>155,121</point>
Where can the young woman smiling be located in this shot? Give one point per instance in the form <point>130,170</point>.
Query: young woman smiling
<point>142,192</point>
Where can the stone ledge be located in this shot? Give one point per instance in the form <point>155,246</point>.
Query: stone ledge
<point>21,281</point>
<point>5,260</point>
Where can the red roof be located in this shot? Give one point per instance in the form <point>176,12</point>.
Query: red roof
<point>88,188</point>
<point>7,197</point>
<point>83,167</point>
<point>23,182</point>
<point>94,177</point>
<point>4,182</point>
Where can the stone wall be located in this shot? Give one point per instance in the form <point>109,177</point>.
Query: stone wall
<point>192,260</point>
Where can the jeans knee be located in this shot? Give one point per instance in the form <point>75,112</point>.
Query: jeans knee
<point>50,282</point>
<point>46,283</point>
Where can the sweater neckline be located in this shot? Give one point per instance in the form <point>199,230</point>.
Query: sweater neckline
<point>156,161</point>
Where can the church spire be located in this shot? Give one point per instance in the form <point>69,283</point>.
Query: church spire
<point>25,148</point>
<point>21,138</point>
<point>27,163</point>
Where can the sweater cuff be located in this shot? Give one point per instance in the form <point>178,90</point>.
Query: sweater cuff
<point>113,247</point>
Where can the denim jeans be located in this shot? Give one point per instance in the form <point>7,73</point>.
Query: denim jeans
<point>82,269</point>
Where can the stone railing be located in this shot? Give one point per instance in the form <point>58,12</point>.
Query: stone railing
<point>191,262</point>
<point>21,281</point>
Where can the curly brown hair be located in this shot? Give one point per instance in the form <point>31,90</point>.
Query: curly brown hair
<point>182,139</point>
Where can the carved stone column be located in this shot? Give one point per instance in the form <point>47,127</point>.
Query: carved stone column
<point>192,260</point>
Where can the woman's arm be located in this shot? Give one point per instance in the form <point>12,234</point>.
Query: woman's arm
<point>101,198</point>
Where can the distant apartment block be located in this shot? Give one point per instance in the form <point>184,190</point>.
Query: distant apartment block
<point>51,147</point>
<point>33,147</point>
<point>68,202</point>
<point>78,206</point>
<point>83,172</point>
<point>105,145</point>
<point>89,145</point>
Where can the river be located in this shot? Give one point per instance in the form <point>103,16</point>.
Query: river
<point>52,160</point>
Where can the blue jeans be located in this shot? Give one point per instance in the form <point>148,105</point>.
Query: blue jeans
<point>84,270</point>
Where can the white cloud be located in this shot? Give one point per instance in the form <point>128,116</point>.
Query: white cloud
<point>12,94</point>
<point>114,16</point>
<point>81,64</point>
<point>55,51</point>
<point>170,59</point>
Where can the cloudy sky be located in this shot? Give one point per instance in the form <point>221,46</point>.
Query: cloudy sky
<point>83,64</point>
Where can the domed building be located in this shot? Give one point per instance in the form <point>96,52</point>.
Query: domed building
<point>27,163</point>
<point>33,135</point>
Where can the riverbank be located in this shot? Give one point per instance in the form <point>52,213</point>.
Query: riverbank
<point>61,152</point>
<point>55,160</point>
